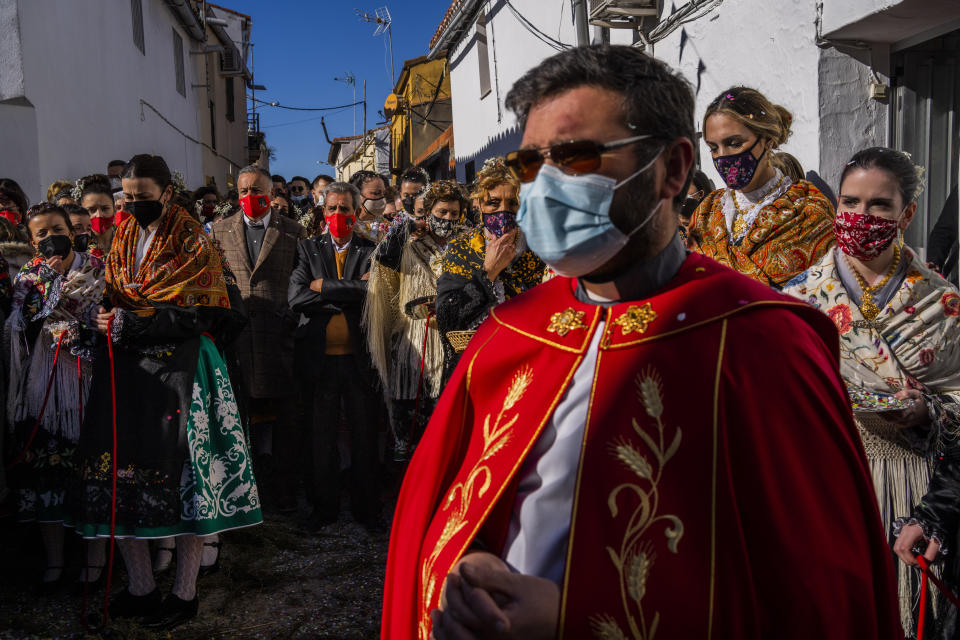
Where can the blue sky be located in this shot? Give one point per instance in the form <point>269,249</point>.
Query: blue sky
<point>300,47</point>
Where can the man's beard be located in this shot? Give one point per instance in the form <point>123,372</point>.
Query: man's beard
<point>631,206</point>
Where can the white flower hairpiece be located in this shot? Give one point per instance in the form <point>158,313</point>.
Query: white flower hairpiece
<point>921,180</point>
<point>77,191</point>
<point>178,182</point>
<point>222,209</point>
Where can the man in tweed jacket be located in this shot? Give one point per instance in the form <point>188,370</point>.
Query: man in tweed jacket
<point>261,246</point>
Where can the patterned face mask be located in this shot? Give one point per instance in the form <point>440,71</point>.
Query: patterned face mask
<point>864,236</point>
<point>500,223</point>
<point>443,228</point>
<point>738,169</point>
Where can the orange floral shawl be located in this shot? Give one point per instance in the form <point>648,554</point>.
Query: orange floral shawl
<point>181,266</point>
<point>788,237</point>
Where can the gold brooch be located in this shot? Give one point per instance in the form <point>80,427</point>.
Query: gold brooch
<point>636,319</point>
<point>566,321</point>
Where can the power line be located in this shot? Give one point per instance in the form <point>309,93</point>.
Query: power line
<point>529,26</point>
<point>280,106</point>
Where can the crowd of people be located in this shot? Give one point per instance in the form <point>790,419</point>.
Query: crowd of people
<point>528,353</point>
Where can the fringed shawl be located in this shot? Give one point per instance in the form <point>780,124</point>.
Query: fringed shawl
<point>396,340</point>
<point>181,266</point>
<point>64,304</point>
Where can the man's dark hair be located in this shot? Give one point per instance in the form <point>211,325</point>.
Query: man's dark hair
<point>656,100</point>
<point>116,163</point>
<point>301,178</point>
<point>278,178</point>
<point>415,175</point>
<point>324,177</point>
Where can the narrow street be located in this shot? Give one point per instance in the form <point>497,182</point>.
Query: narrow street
<point>275,581</point>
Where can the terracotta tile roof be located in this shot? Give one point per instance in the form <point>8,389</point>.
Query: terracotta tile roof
<point>454,5</point>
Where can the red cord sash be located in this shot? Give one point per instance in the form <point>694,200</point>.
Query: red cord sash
<point>43,407</point>
<point>926,575</point>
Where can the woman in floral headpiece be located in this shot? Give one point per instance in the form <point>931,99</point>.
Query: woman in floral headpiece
<point>400,311</point>
<point>899,325</point>
<point>763,224</point>
<point>486,267</point>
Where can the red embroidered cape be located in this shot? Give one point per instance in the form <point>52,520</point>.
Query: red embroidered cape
<point>788,237</point>
<point>722,490</point>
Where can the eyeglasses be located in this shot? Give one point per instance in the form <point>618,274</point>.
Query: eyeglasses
<point>574,157</point>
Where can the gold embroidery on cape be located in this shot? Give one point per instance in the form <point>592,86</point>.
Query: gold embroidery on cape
<point>635,558</point>
<point>636,319</point>
<point>566,321</point>
<point>494,439</point>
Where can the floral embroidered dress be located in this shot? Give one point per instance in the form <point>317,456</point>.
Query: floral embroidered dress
<point>913,344</point>
<point>183,464</point>
<point>771,234</point>
<point>49,309</point>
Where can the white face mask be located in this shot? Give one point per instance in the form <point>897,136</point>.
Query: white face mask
<point>375,207</point>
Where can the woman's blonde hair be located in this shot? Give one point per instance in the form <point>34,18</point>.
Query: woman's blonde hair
<point>493,174</point>
<point>56,187</point>
<point>787,164</point>
<point>753,110</point>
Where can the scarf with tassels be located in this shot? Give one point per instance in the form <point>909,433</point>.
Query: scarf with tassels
<point>181,266</point>
<point>64,304</point>
<point>395,339</point>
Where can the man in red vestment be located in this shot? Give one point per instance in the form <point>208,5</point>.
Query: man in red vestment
<point>649,444</point>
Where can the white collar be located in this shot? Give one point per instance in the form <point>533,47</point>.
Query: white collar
<point>265,219</point>
<point>337,247</point>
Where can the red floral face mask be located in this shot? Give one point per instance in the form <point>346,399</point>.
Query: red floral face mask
<point>864,236</point>
<point>340,224</point>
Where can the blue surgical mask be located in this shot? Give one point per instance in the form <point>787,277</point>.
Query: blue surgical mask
<point>566,219</point>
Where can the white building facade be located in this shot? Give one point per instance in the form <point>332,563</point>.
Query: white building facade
<point>83,83</point>
<point>854,73</point>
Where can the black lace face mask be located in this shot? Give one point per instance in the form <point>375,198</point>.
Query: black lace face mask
<point>443,228</point>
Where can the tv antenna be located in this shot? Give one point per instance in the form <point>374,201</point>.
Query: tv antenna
<point>351,81</point>
<point>381,18</point>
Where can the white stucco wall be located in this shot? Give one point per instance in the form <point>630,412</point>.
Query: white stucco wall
<point>849,119</point>
<point>765,44</point>
<point>512,50</point>
<point>85,79</point>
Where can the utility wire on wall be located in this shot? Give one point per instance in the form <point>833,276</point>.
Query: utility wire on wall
<point>144,103</point>
<point>693,10</point>
<point>529,26</point>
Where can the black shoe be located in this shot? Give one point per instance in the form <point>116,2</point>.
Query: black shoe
<point>126,605</point>
<point>206,570</point>
<point>173,612</point>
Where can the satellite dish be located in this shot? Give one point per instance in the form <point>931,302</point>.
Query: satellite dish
<point>390,105</point>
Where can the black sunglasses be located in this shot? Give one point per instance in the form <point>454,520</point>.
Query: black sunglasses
<point>574,157</point>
